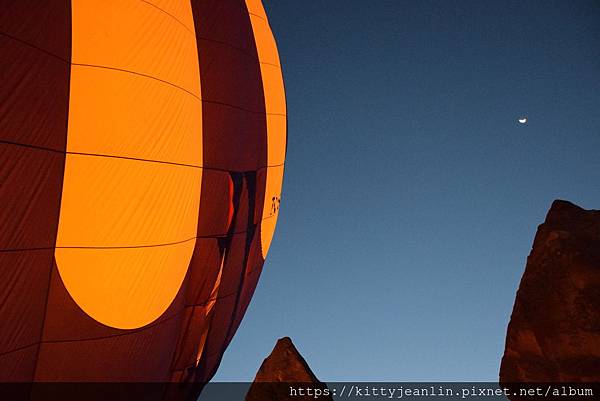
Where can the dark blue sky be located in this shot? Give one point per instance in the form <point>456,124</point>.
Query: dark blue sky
<point>411,194</point>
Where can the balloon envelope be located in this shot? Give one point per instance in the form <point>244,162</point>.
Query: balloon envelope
<point>142,148</point>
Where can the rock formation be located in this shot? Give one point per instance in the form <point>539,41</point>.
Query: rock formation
<point>554,330</point>
<point>283,370</point>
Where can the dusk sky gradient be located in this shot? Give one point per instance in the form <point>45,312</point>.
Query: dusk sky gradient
<point>411,193</point>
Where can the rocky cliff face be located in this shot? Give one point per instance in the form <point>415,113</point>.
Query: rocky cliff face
<point>283,371</point>
<point>554,330</point>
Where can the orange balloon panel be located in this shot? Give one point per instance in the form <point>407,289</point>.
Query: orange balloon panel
<point>275,108</point>
<point>141,210</point>
<point>142,149</point>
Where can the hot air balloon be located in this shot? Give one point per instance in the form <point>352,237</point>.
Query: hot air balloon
<point>142,147</point>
